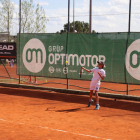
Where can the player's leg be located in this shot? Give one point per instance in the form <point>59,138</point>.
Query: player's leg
<point>91,93</point>
<point>97,100</point>
<point>97,97</point>
<point>30,79</point>
<point>90,98</point>
<point>35,80</point>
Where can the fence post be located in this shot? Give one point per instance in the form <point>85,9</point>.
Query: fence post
<point>67,83</point>
<point>129,22</point>
<point>19,35</point>
<point>127,88</point>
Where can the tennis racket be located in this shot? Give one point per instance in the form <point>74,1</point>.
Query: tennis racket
<point>80,72</point>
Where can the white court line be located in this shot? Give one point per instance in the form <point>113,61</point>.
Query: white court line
<point>63,131</point>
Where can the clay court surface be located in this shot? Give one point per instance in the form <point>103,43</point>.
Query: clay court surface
<point>105,86</point>
<point>45,115</point>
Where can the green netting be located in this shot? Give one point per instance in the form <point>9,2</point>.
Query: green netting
<point>46,54</point>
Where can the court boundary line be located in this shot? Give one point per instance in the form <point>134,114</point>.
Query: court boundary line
<point>58,130</point>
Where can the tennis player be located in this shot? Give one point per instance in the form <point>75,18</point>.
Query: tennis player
<point>98,74</point>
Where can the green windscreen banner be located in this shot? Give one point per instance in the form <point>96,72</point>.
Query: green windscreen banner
<point>62,55</point>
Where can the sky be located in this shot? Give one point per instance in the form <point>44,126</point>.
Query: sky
<point>107,15</point>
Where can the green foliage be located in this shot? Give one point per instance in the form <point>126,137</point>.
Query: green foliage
<point>27,20</point>
<point>80,27</point>
<point>40,20</point>
<point>6,15</point>
<point>33,18</point>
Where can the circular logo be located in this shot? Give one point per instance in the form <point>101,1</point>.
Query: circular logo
<point>51,69</point>
<point>132,60</point>
<point>65,70</point>
<point>34,55</point>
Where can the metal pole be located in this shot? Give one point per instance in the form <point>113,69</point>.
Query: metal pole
<point>73,15</point>
<point>67,36</point>
<point>8,23</point>
<point>8,27</point>
<point>129,23</point>
<point>90,16</point>
<point>129,16</point>
<point>19,35</point>
<point>68,15</point>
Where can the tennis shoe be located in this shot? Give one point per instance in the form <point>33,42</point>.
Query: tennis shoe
<point>90,102</point>
<point>97,107</point>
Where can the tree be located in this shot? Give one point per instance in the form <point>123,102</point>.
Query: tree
<point>93,31</point>
<point>26,18</point>
<point>6,16</point>
<point>40,20</point>
<point>81,27</point>
<point>33,18</point>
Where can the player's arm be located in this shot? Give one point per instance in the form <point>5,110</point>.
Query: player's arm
<point>102,77</point>
<point>86,69</point>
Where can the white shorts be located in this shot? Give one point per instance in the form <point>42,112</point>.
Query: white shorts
<point>94,86</point>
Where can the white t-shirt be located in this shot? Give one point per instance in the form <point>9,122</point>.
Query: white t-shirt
<point>96,77</point>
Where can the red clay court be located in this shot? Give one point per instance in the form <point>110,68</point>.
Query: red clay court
<point>81,83</point>
<point>47,115</point>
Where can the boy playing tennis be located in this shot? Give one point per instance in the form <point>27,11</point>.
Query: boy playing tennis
<point>98,74</point>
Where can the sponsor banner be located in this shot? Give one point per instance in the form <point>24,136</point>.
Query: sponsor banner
<point>45,55</point>
<point>7,50</point>
<point>132,62</point>
<point>40,55</point>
